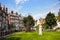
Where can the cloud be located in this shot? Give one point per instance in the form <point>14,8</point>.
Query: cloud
<point>19,5</point>
<point>20,1</point>
<point>18,8</point>
<point>39,15</point>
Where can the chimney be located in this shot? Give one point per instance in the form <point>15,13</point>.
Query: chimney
<point>3,9</point>
<point>0,6</point>
<point>6,10</point>
<point>12,12</point>
<point>16,13</point>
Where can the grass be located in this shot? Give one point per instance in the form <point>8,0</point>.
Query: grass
<point>34,36</point>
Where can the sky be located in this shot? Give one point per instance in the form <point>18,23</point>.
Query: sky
<point>36,8</point>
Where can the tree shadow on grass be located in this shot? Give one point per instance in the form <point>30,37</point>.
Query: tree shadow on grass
<point>13,38</point>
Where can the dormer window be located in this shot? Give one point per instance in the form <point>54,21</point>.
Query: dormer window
<point>11,12</point>
<point>16,13</point>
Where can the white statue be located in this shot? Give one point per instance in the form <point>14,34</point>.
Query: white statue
<point>40,27</point>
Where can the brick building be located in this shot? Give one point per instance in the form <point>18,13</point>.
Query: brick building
<point>3,20</point>
<point>17,20</point>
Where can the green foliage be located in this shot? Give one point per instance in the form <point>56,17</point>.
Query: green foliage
<point>50,20</point>
<point>59,15</point>
<point>28,22</point>
<point>31,20</point>
<point>25,21</point>
<point>37,28</point>
<point>44,25</point>
<point>13,25</point>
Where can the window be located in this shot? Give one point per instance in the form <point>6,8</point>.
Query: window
<point>0,24</point>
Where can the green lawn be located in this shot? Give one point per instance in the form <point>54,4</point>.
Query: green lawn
<point>34,36</point>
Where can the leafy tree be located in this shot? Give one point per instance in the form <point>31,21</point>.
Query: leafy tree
<point>25,21</point>
<point>59,15</point>
<point>50,20</point>
<point>28,22</point>
<point>12,26</point>
<point>31,20</point>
